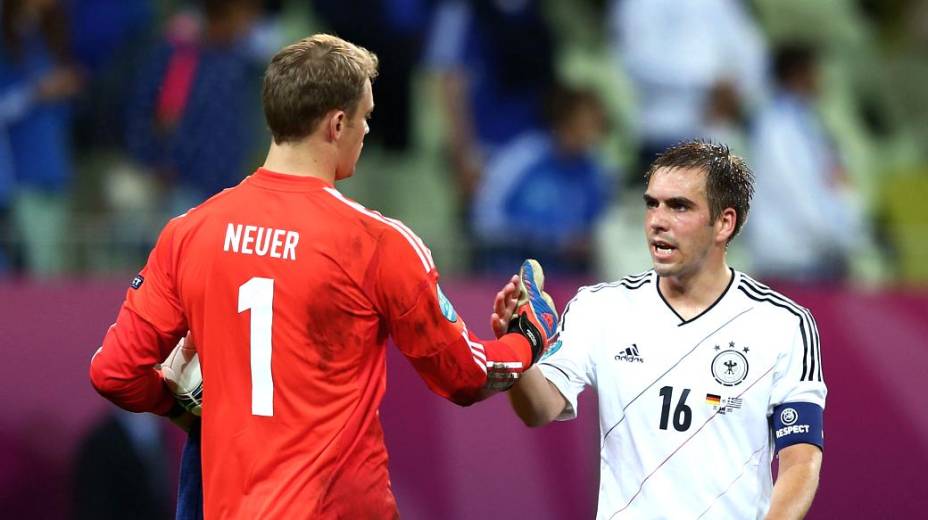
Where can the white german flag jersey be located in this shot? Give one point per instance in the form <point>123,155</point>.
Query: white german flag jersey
<point>691,411</point>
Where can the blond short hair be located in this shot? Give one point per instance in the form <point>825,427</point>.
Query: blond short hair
<point>308,79</point>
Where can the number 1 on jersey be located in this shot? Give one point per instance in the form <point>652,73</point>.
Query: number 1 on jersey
<point>257,295</point>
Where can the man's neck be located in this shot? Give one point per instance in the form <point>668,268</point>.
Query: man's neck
<point>691,295</point>
<point>302,159</point>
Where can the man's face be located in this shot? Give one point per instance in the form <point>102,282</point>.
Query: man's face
<point>677,224</point>
<point>352,139</point>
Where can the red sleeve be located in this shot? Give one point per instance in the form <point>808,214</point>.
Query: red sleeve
<point>150,323</point>
<point>153,294</point>
<point>425,327</point>
<point>123,369</point>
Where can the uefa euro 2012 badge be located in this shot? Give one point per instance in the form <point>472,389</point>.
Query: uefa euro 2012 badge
<point>447,310</point>
<point>730,366</point>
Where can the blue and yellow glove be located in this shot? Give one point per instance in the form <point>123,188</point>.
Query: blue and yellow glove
<point>535,316</point>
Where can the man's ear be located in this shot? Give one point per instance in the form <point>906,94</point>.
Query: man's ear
<point>725,224</point>
<point>336,121</point>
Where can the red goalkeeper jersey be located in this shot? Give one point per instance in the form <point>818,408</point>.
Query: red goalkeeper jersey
<point>290,291</point>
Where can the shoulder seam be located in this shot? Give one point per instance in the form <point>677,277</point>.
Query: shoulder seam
<point>811,360</point>
<point>630,282</point>
<point>745,279</point>
<point>418,246</point>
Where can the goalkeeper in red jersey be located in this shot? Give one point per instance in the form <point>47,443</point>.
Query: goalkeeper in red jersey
<point>289,291</point>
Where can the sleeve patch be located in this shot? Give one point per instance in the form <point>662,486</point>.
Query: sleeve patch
<point>137,281</point>
<point>447,310</point>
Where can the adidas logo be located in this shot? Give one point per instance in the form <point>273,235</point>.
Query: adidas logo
<point>630,355</point>
<point>549,320</point>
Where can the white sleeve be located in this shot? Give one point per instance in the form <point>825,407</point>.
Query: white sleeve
<point>568,364</point>
<point>798,373</point>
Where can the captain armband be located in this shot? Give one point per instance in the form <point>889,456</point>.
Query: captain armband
<point>797,423</point>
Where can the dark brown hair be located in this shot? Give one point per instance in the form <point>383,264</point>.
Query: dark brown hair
<point>311,77</point>
<point>729,181</point>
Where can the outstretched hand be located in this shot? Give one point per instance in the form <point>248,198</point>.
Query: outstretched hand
<point>504,306</point>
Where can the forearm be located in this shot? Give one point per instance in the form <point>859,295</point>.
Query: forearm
<point>471,370</point>
<point>535,400</point>
<point>123,369</point>
<point>795,487</point>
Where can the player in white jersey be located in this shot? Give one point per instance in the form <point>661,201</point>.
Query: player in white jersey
<point>702,373</point>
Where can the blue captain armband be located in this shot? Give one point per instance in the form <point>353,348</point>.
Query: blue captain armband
<point>797,423</point>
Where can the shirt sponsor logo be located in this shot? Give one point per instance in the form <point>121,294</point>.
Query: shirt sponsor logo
<point>630,355</point>
<point>137,281</point>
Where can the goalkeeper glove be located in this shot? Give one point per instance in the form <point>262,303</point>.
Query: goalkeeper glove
<point>535,317</point>
<point>181,373</point>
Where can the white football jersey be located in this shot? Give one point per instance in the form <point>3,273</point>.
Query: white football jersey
<point>685,405</point>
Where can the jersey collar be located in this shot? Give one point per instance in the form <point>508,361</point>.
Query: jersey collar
<point>657,287</point>
<point>285,182</point>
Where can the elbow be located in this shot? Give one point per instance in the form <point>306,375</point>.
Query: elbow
<point>531,416</point>
<point>462,399</point>
<point>104,384</point>
<point>534,419</point>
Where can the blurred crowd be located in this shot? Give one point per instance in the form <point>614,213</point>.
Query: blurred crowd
<point>503,128</point>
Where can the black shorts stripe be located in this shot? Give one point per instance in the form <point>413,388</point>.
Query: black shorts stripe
<point>811,364</point>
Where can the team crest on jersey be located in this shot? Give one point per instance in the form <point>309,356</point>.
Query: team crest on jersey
<point>730,366</point>
<point>447,310</point>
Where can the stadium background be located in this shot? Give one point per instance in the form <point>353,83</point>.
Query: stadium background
<point>71,241</point>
